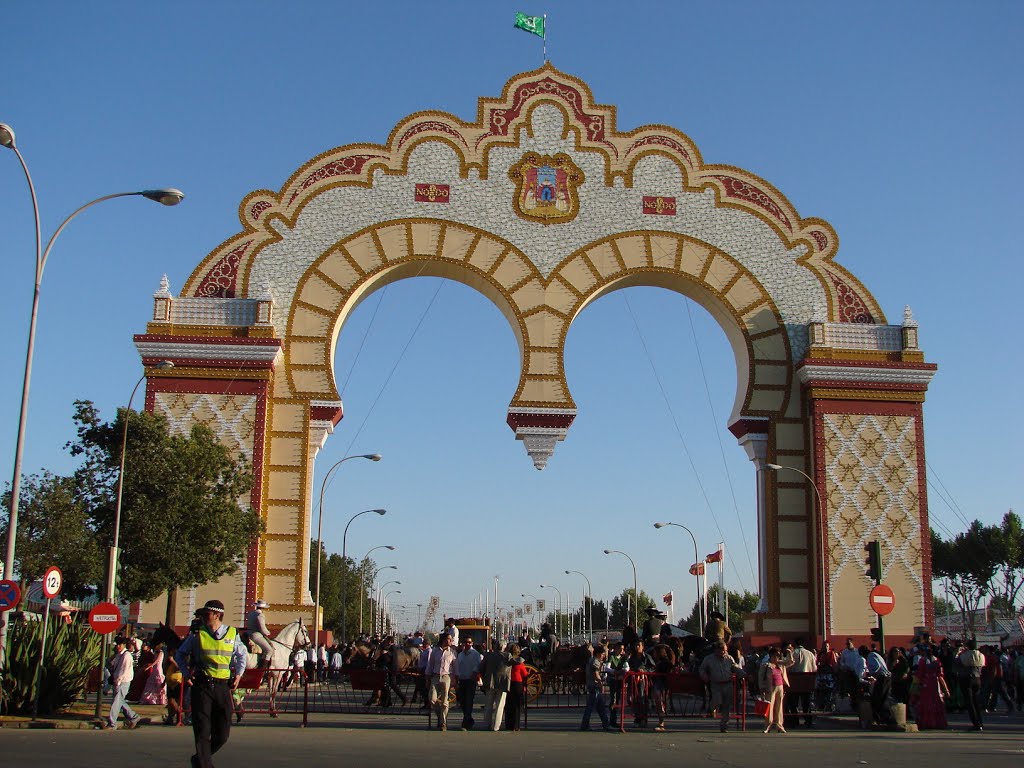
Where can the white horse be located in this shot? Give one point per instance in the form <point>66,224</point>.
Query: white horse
<point>290,637</point>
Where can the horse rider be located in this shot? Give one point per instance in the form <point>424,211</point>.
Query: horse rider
<point>652,627</point>
<point>256,626</point>
<point>212,662</point>
<point>717,629</point>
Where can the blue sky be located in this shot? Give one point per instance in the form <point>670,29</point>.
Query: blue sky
<point>891,121</point>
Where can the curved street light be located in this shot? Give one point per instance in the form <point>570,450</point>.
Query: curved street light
<point>636,594</point>
<point>344,556</point>
<point>590,604</point>
<point>383,609</point>
<point>361,589</point>
<point>168,196</point>
<point>558,625</point>
<point>533,613</point>
<point>821,537</point>
<point>696,559</point>
<point>378,612</point>
<point>320,542</point>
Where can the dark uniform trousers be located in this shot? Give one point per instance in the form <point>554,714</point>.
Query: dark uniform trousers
<point>211,718</point>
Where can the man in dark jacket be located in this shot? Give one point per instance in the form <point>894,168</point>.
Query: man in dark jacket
<point>496,673</point>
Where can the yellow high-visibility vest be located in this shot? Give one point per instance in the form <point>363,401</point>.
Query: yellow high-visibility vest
<point>214,658</point>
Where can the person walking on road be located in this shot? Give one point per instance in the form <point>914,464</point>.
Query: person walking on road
<point>122,672</point>
<point>497,679</point>
<point>212,662</point>
<point>972,662</point>
<point>773,681</point>
<point>467,668</point>
<point>441,671</point>
<point>717,671</point>
<point>594,674</point>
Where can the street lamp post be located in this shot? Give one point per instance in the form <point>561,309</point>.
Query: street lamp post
<point>558,624</point>
<point>589,599</point>
<point>636,594</point>
<point>378,614</point>
<point>362,589</point>
<point>383,608</point>
<point>163,365</point>
<point>821,539</point>
<point>344,562</point>
<point>534,612</point>
<point>696,559</point>
<point>320,542</point>
<point>164,196</point>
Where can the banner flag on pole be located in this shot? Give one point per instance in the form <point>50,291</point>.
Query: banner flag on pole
<point>532,24</point>
<point>667,598</point>
<point>714,557</point>
<point>697,569</point>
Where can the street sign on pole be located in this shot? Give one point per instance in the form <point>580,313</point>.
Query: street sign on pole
<point>105,618</point>
<point>53,580</point>
<point>882,600</point>
<point>10,594</point>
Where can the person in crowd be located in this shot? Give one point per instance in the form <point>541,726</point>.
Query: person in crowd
<point>594,675</point>
<point>651,630</point>
<point>440,673</point>
<point>664,663</point>
<point>972,664</point>
<point>337,662</point>
<point>422,681</point>
<point>321,662</point>
<point>517,688</point>
<point>417,639</point>
<point>174,692</point>
<point>467,669</point>
<point>638,686</point>
<point>902,676</point>
<point>717,628</point>
<point>717,671</point>
<point>122,672</point>
<point>993,685</point>
<point>155,691</point>
<point>852,669</point>
<point>452,631</point>
<point>143,656</point>
<point>805,662</point>
<point>496,674</point>
<point>1018,676</point>
<point>773,682</point>
<point>877,671</point>
<point>616,661</point>
<point>932,691</point>
<point>212,662</point>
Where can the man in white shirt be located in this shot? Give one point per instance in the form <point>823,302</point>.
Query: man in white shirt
<point>805,662</point>
<point>441,671</point>
<point>467,667</point>
<point>122,672</point>
<point>453,632</point>
<point>972,662</point>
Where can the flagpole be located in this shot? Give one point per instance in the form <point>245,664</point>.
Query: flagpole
<point>545,39</point>
<point>721,579</point>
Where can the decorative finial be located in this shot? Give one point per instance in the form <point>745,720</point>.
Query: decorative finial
<point>165,289</point>
<point>908,317</point>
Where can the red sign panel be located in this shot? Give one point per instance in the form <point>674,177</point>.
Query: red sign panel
<point>105,618</point>
<point>882,600</point>
<point>432,193</point>
<point>53,580</point>
<point>10,594</point>
<point>660,206</point>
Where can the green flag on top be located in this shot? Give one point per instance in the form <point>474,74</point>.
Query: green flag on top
<point>532,24</point>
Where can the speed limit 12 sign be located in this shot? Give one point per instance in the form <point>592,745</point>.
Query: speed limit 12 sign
<point>53,580</point>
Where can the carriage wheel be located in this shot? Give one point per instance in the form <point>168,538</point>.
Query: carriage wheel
<point>534,683</point>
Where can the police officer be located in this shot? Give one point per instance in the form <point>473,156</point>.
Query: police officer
<point>256,626</point>
<point>212,661</point>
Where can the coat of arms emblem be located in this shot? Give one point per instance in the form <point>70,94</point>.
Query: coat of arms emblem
<point>546,187</point>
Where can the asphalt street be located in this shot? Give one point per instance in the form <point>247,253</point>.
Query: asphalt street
<point>396,740</point>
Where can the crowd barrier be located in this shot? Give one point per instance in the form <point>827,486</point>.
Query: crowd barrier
<point>687,696</point>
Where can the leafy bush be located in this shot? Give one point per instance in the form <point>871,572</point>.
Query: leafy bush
<point>72,650</point>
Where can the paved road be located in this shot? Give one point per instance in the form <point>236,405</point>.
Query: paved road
<point>366,741</point>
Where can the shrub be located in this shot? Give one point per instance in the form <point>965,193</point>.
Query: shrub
<point>72,650</point>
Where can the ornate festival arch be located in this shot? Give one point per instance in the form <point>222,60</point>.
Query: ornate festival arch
<point>543,205</point>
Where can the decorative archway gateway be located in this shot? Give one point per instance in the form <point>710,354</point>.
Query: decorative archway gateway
<point>543,205</point>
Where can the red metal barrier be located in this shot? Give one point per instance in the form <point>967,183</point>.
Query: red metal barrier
<point>256,681</point>
<point>636,692</point>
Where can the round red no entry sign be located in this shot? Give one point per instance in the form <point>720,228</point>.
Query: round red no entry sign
<point>105,618</point>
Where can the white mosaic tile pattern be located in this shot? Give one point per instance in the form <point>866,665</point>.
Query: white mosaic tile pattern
<point>487,204</point>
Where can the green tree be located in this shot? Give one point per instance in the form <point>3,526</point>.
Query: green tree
<point>54,529</point>
<point>740,604</point>
<point>623,605</point>
<point>969,564</point>
<point>333,571</point>
<point>1009,551</point>
<point>185,519</point>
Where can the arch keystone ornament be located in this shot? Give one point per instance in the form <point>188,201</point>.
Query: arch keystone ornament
<point>543,205</point>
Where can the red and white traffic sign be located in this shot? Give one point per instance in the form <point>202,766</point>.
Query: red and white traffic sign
<point>10,594</point>
<point>882,600</point>
<point>105,618</point>
<point>53,580</point>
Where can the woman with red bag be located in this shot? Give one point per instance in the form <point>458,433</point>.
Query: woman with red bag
<point>773,682</point>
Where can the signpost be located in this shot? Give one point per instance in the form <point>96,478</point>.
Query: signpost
<point>105,618</point>
<point>53,580</point>
<point>10,595</point>
<point>882,600</point>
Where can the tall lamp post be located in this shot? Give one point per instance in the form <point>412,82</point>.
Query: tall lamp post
<point>821,538</point>
<point>696,559</point>
<point>534,614</point>
<point>344,561</point>
<point>378,613</point>
<point>558,624</point>
<point>320,541</point>
<point>112,562</point>
<point>589,599</point>
<point>362,589</point>
<point>166,197</point>
<point>636,594</point>
<point>383,610</point>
